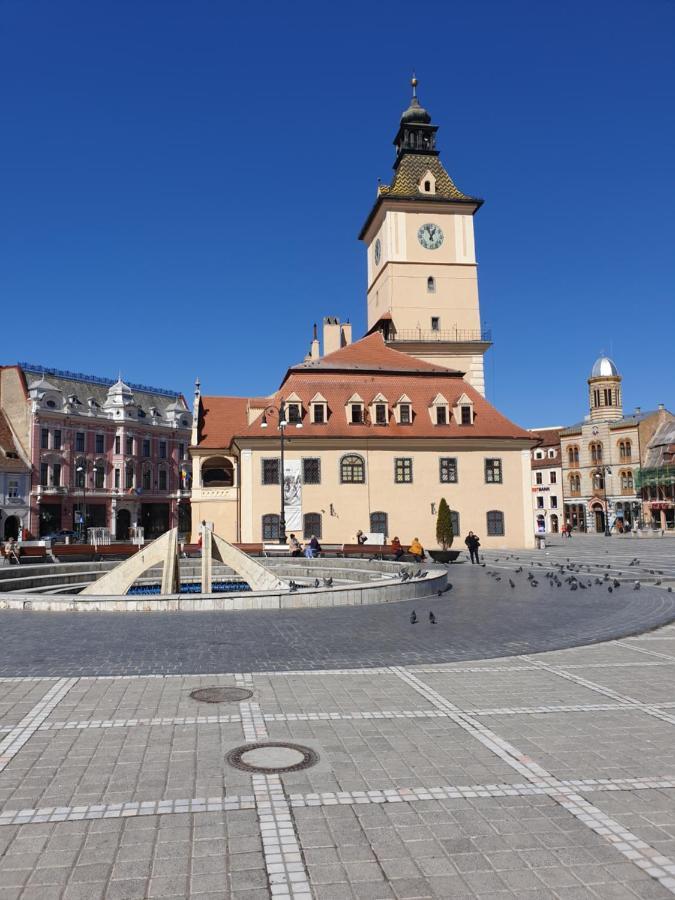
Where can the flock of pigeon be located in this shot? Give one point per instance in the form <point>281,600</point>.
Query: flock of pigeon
<point>576,576</point>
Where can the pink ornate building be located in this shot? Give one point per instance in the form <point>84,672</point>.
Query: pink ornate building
<point>106,451</point>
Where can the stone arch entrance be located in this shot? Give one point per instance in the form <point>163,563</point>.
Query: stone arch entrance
<point>122,524</point>
<point>12,527</point>
<point>599,518</point>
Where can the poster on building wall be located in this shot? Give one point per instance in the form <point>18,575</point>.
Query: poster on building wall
<point>292,495</point>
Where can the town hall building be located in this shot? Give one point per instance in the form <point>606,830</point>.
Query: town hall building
<point>384,427</point>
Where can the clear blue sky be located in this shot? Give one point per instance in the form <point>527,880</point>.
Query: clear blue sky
<point>183,183</point>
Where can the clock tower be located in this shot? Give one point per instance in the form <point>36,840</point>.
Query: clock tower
<point>422,274</point>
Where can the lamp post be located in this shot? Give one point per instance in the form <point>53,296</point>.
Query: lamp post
<point>83,511</point>
<point>605,470</point>
<point>282,425</point>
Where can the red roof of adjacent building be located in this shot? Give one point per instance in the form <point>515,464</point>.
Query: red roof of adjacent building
<point>367,368</point>
<point>370,354</point>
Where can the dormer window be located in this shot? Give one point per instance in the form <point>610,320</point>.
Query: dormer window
<point>464,411</point>
<point>379,410</point>
<point>427,186</point>
<point>51,404</point>
<point>355,410</point>
<point>403,410</point>
<point>319,409</point>
<point>439,410</point>
<point>380,414</point>
<point>431,285</point>
<point>427,183</point>
<point>319,413</point>
<point>294,413</point>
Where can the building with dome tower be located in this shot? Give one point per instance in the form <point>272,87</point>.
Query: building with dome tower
<point>102,453</point>
<point>378,430</point>
<point>602,457</point>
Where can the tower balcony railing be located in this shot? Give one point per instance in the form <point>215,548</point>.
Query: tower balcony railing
<point>454,335</point>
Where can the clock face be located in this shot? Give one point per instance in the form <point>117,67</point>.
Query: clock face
<point>430,236</point>
<point>378,252</point>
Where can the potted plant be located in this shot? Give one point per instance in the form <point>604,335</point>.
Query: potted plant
<point>444,535</point>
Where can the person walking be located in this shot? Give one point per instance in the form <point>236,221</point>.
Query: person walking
<point>473,543</point>
<point>417,550</point>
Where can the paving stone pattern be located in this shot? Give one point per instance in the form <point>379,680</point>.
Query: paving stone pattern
<point>539,775</point>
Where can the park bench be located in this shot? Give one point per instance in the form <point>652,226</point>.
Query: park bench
<point>370,551</point>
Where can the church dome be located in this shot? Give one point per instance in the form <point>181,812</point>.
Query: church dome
<point>604,367</point>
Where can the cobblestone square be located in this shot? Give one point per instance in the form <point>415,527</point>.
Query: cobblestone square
<point>533,775</point>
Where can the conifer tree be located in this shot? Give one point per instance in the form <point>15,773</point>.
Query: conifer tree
<point>444,532</point>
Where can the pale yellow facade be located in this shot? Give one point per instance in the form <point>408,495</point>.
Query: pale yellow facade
<point>237,512</point>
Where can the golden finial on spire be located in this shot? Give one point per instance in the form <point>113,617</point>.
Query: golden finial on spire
<point>413,82</point>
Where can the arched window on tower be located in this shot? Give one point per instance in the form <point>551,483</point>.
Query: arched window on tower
<point>431,285</point>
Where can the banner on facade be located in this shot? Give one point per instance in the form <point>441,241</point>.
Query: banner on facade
<point>293,495</point>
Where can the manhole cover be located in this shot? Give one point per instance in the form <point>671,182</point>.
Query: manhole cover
<point>221,694</point>
<point>273,756</point>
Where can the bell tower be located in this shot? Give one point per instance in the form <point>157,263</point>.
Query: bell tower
<point>422,273</point>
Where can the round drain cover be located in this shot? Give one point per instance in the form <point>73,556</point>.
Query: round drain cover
<point>221,694</point>
<point>273,756</point>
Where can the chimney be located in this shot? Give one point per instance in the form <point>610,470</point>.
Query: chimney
<point>638,410</point>
<point>314,351</point>
<point>332,335</point>
<point>345,333</point>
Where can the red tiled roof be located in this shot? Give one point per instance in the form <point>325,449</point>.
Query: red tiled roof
<point>225,418</point>
<point>370,354</point>
<point>7,445</point>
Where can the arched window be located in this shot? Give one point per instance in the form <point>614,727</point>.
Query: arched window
<point>379,523</point>
<point>147,477</point>
<point>352,469</point>
<point>431,285</point>
<point>311,525</point>
<point>575,483</point>
<point>627,480</point>
<point>554,523</point>
<point>427,186</point>
<point>270,527</point>
<point>217,471</point>
<point>99,474</point>
<point>598,479</point>
<point>625,449</point>
<point>573,456</point>
<point>129,476</point>
<point>596,451</point>
<point>495,523</point>
<point>80,472</point>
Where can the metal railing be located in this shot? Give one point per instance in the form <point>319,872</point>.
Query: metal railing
<point>454,335</point>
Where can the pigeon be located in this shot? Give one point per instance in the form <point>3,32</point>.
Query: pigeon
<point>418,574</point>
<point>519,570</point>
<point>582,586</point>
<point>511,583</point>
<point>658,581</point>
<point>616,583</point>
<point>328,582</point>
<point>424,574</point>
<point>636,586</point>
<point>292,587</point>
<point>497,578</point>
<point>610,589</point>
<point>413,618</point>
<point>670,590</point>
<point>534,583</point>
<point>432,618</point>
<point>316,582</point>
<point>573,586</point>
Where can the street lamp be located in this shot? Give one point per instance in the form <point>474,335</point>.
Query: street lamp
<point>83,511</point>
<point>605,470</point>
<point>282,425</point>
